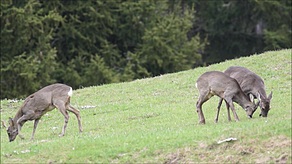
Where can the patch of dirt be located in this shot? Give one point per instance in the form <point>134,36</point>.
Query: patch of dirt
<point>278,141</point>
<point>275,146</point>
<point>178,156</point>
<point>283,158</point>
<point>274,150</point>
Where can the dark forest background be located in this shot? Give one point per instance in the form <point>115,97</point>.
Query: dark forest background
<point>91,42</point>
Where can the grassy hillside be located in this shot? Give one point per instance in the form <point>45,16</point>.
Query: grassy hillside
<point>155,121</point>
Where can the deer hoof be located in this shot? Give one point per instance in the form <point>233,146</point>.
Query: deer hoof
<point>202,122</point>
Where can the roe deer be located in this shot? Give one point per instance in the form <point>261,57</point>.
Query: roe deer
<point>41,102</point>
<point>217,83</point>
<point>252,85</point>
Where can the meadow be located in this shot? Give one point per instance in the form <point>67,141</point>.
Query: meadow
<point>154,120</point>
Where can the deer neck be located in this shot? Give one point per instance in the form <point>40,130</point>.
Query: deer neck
<point>241,99</point>
<point>17,116</point>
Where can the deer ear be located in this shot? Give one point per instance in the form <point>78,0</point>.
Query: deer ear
<point>251,97</point>
<point>270,96</point>
<point>259,96</point>
<point>11,123</point>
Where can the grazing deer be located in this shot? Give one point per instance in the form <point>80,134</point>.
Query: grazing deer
<point>41,102</point>
<point>217,83</point>
<point>252,85</point>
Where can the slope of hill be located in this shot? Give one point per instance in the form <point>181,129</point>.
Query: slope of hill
<point>154,120</point>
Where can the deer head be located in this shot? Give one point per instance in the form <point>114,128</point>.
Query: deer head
<point>12,130</point>
<point>264,104</point>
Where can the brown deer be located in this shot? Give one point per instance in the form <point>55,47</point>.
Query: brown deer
<point>252,85</point>
<point>41,102</point>
<point>217,83</point>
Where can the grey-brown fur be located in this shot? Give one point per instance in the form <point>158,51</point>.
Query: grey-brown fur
<point>252,85</point>
<point>217,83</point>
<point>39,103</point>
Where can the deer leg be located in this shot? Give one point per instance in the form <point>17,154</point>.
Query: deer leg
<point>20,123</point>
<point>230,103</point>
<point>228,111</point>
<point>61,106</point>
<point>200,102</point>
<point>200,113</point>
<point>218,109</point>
<point>36,121</point>
<point>77,114</point>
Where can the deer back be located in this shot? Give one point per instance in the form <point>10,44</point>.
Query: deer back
<point>248,80</point>
<point>42,100</point>
<point>217,83</point>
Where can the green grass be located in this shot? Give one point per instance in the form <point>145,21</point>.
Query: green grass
<point>154,120</point>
